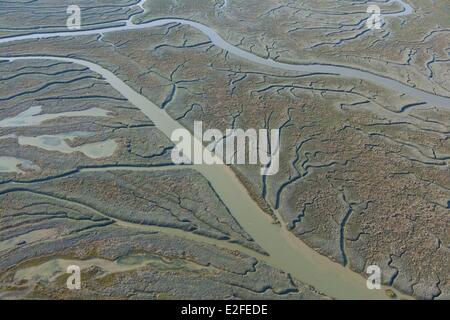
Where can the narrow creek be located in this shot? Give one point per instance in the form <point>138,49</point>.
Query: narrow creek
<point>216,39</point>
<point>286,252</point>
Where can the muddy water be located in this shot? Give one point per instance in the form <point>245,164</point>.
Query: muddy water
<point>406,10</point>
<point>96,150</point>
<point>33,117</point>
<point>12,164</point>
<point>52,269</point>
<point>286,251</point>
